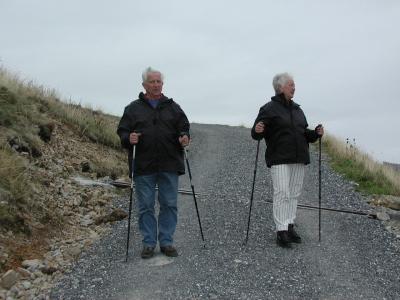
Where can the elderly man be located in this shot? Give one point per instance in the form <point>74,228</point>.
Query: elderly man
<point>283,125</point>
<point>159,128</point>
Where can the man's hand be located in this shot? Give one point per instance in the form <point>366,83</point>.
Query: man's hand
<point>184,140</point>
<point>134,138</point>
<point>260,127</point>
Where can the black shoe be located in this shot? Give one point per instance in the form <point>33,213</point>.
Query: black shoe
<point>282,239</point>
<point>169,251</point>
<point>293,236</point>
<point>147,252</point>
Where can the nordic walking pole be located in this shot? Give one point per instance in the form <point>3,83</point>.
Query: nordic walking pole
<point>194,196</point>
<point>252,192</point>
<point>130,201</point>
<point>319,189</point>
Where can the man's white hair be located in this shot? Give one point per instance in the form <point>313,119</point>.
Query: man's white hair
<point>149,70</point>
<point>280,80</point>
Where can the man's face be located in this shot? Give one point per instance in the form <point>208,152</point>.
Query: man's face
<point>153,85</point>
<point>288,89</point>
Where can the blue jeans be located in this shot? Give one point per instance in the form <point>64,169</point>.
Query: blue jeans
<point>145,186</point>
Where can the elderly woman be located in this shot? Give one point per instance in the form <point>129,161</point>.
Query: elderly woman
<point>283,125</point>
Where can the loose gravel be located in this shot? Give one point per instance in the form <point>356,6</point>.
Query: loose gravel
<point>356,259</point>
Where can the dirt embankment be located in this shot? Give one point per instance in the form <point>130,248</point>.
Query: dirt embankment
<point>63,215</point>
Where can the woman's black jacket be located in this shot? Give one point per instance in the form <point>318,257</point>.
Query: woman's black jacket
<point>286,134</point>
<point>158,149</point>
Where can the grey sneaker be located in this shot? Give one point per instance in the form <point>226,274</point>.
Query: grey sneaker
<point>169,251</point>
<point>147,252</point>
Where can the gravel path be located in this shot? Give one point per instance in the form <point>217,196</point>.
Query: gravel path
<point>357,258</point>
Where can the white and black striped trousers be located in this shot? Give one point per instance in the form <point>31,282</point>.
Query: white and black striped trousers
<point>287,181</point>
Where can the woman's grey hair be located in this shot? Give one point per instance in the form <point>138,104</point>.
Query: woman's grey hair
<point>280,80</point>
<point>149,70</point>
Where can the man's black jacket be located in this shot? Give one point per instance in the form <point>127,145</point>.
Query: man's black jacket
<point>286,133</point>
<point>158,149</point>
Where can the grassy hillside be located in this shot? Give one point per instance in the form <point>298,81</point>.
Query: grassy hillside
<point>43,143</point>
<point>371,176</point>
<point>24,104</point>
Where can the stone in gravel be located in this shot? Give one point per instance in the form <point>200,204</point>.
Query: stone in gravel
<point>24,272</point>
<point>38,281</point>
<point>93,235</point>
<point>48,270</point>
<point>394,214</point>
<point>389,201</point>
<point>31,264</point>
<point>14,291</point>
<point>3,258</point>
<point>37,274</point>
<point>73,251</point>
<point>383,216</point>
<point>393,202</point>
<point>26,284</point>
<point>238,261</point>
<point>116,215</point>
<point>9,279</point>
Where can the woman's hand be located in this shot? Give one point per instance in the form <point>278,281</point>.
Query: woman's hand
<point>319,130</point>
<point>260,127</point>
<point>184,140</point>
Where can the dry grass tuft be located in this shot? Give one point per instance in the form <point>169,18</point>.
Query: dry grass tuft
<point>13,176</point>
<point>14,190</point>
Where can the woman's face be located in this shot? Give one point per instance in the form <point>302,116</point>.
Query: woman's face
<point>288,90</point>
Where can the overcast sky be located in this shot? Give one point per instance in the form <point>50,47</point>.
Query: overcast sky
<point>219,57</point>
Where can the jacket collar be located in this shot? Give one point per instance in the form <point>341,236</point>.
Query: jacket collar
<point>163,98</point>
<point>281,99</point>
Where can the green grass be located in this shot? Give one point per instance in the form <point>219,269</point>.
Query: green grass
<point>369,182</point>
<point>371,176</point>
